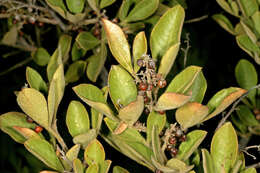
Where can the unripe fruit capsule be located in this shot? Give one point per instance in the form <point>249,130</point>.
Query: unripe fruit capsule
<point>29,119</point>
<point>172,140</point>
<point>143,86</point>
<point>174,152</point>
<point>162,83</point>
<point>140,62</point>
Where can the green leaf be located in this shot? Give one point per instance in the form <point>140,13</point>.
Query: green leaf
<point>85,138</point>
<point>224,4</point>
<point>131,113</point>
<point>142,10</point>
<point>45,152</point>
<point>198,88</point>
<point>222,99</point>
<point>104,167</point>
<point>96,63</point>
<point>41,56</point>
<point>78,166</point>
<point>87,41</point>
<point>161,167</point>
<point>224,22</point>
<point>106,3</point>
<point>58,6</point>
<point>93,96</point>
<point>122,87</point>
<point>167,31</point>
<point>168,60</point>
<point>124,8</point>
<point>60,54</point>
<point>224,147</point>
<point>246,77</point>
<point>246,116</point>
<point>27,133</point>
<point>94,153</point>
<point>76,52</point>
<point>239,124</point>
<point>191,114</point>
<point>77,119</point>
<point>93,168</point>
<point>183,82</point>
<point>73,152</point>
<point>94,5</point>
<point>11,119</point>
<point>156,146</point>
<point>35,80</point>
<point>139,48</point>
<point>75,6</point>
<point>249,170</point>
<point>208,164</point>
<point>10,37</point>
<point>96,119</point>
<point>194,139</point>
<point>56,91</point>
<point>118,44</point>
<point>249,7</point>
<point>170,100</point>
<point>256,21</point>
<point>154,119</point>
<point>118,169</point>
<point>75,71</point>
<point>178,165</point>
<point>33,103</point>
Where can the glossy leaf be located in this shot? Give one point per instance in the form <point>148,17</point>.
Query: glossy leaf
<point>93,168</point>
<point>75,6</point>
<point>41,56</point>
<point>154,119</point>
<point>45,152</point>
<point>256,21</point>
<point>118,44</point>
<point>124,9</point>
<point>96,119</point>
<point>87,41</point>
<point>96,63</point>
<point>118,169</point>
<point>246,116</point>
<point>161,167</point>
<point>198,88</point>
<point>11,119</point>
<point>73,152</point>
<point>75,71</point>
<point>58,6</point>
<point>224,4</point>
<point>122,87</point>
<point>35,80</point>
<point>27,133</point>
<point>194,139</point>
<point>249,170</point>
<point>168,60</point>
<point>85,138</point>
<point>191,114</point>
<point>224,147</point>
<point>222,99</point>
<point>170,100</point>
<point>131,113</point>
<point>94,97</point>
<point>77,52</point>
<point>249,7</point>
<point>142,10</point>
<point>246,77</point>
<point>106,3</point>
<point>94,153</point>
<point>167,31</point>
<point>93,4</point>
<point>104,167</point>
<point>224,22</point>
<point>178,165</point>
<point>183,82</point>
<point>239,124</point>
<point>33,103</point>
<point>77,118</point>
<point>56,91</point>
<point>156,146</point>
<point>139,48</point>
<point>78,166</point>
<point>208,164</point>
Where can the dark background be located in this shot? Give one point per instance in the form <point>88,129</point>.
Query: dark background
<point>212,48</point>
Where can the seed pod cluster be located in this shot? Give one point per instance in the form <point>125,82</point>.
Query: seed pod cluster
<point>37,129</point>
<point>176,138</point>
<point>148,80</point>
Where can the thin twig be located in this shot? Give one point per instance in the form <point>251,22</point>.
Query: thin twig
<point>186,50</point>
<point>223,120</point>
<point>198,19</point>
<point>20,64</point>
